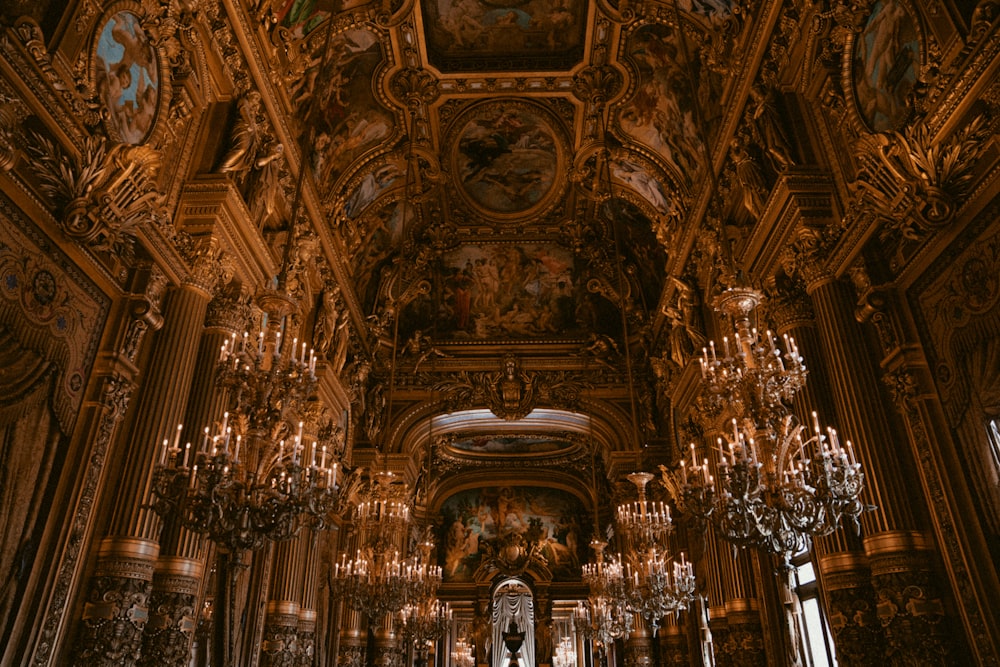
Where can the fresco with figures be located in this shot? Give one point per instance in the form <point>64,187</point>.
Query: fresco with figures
<point>661,112</point>
<point>506,35</point>
<point>340,105</point>
<point>506,157</point>
<point>886,59</point>
<point>472,517</point>
<point>510,444</point>
<point>127,78</point>
<point>513,290</point>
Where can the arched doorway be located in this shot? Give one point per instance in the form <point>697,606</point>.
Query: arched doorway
<point>512,601</point>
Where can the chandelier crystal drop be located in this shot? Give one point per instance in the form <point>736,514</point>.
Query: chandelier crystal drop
<point>777,483</point>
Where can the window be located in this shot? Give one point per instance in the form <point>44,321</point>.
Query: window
<point>993,432</point>
<point>816,638</point>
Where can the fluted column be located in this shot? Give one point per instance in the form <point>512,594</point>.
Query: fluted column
<point>281,643</point>
<point>117,604</point>
<point>744,643</point>
<point>180,568</point>
<point>388,652</point>
<point>718,624</point>
<point>639,645</point>
<point>673,640</point>
<point>842,566</point>
<point>309,596</point>
<point>353,639</point>
<point>899,554</point>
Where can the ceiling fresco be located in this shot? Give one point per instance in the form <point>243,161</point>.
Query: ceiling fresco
<point>504,35</point>
<point>505,185</point>
<point>507,157</point>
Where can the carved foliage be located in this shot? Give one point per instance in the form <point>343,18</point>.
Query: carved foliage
<point>856,633</point>
<point>113,619</point>
<point>170,631</point>
<point>511,393</point>
<point>910,609</point>
<point>100,196</point>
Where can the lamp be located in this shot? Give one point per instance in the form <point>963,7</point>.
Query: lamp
<point>244,485</point>
<point>779,483</point>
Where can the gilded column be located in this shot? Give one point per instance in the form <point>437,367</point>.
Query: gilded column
<point>180,568</point>
<point>639,645</point>
<point>673,640</point>
<point>842,566</point>
<point>353,639</point>
<point>715,625</point>
<point>388,651</point>
<point>116,607</point>
<point>310,590</point>
<point>281,642</point>
<point>744,643</point>
<point>899,554</point>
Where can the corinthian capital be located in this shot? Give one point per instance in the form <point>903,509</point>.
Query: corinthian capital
<point>209,266</point>
<point>805,258</point>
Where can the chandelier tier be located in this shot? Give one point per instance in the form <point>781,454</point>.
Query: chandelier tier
<point>779,483</point>
<point>251,481</point>
<point>424,622</point>
<point>244,485</point>
<point>604,617</point>
<point>379,579</point>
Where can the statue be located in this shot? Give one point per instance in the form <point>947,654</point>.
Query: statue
<point>327,317</point>
<point>420,347</point>
<point>769,128</point>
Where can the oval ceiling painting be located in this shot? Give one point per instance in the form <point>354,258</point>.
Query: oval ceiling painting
<point>886,59</point>
<point>127,78</point>
<point>506,157</point>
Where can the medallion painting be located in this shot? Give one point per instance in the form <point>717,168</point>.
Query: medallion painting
<point>127,78</point>
<point>509,444</point>
<point>341,106</point>
<point>499,35</point>
<point>506,158</point>
<point>660,112</point>
<point>886,59</point>
<point>475,518</point>
<point>510,291</point>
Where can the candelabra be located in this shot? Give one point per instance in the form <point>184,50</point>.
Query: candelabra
<point>779,484</point>
<point>380,580</point>
<point>655,585</point>
<point>245,484</point>
<point>605,616</point>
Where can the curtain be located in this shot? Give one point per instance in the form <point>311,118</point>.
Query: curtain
<point>513,605</point>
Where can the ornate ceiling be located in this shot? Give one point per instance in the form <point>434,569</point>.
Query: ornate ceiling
<point>499,179</point>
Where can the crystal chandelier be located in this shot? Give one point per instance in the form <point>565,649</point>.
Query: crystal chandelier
<point>565,654</point>
<point>462,655</point>
<point>779,483</point>
<point>604,618</point>
<point>379,579</point>
<point>423,623</point>
<point>241,486</point>
<point>247,483</point>
<point>655,585</point>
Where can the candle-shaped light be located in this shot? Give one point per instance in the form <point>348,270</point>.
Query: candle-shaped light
<point>236,454</point>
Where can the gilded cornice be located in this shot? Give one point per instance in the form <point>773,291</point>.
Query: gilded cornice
<point>211,205</point>
<point>801,197</point>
